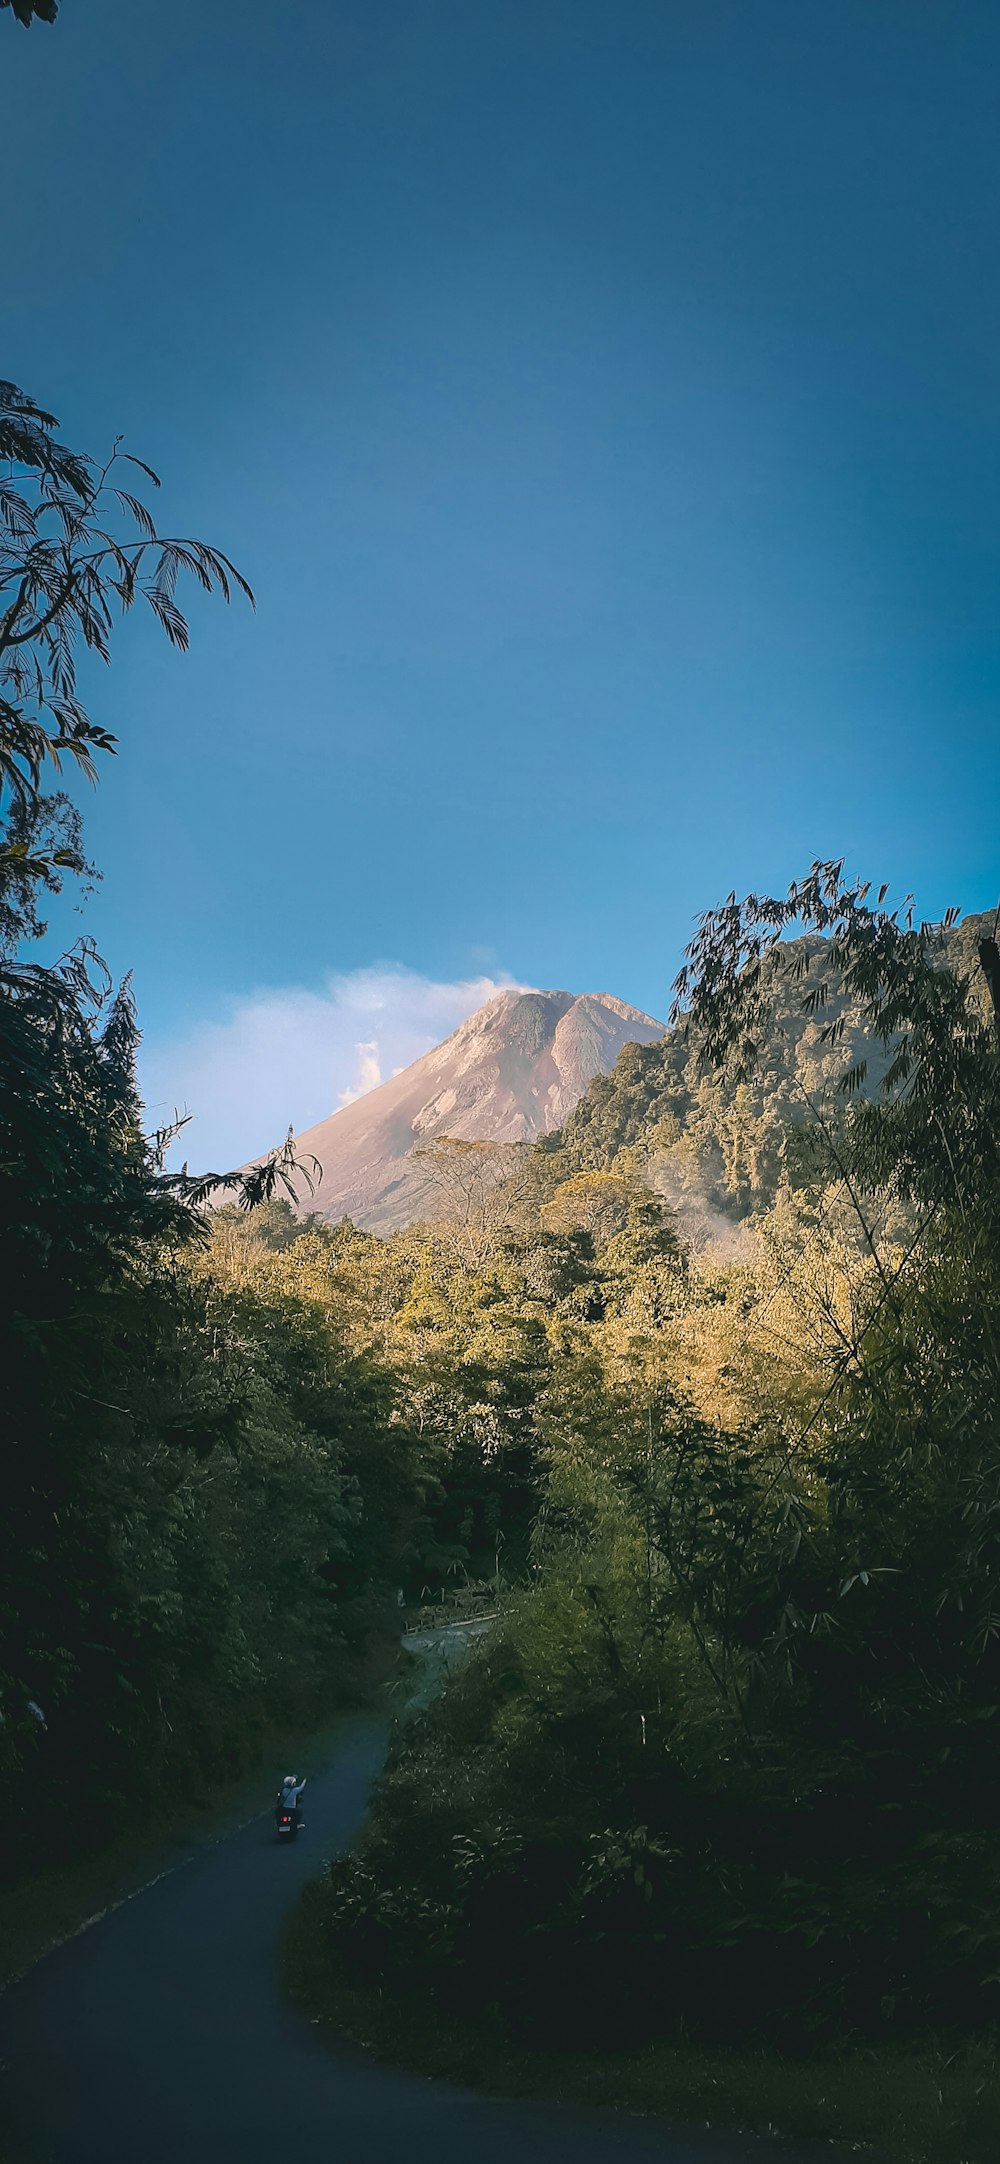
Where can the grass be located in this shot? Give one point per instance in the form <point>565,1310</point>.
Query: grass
<point>921,2107</point>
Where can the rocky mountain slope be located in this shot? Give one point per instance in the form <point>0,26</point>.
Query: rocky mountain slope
<point>512,1072</point>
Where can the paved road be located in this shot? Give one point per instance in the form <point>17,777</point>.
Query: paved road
<point>160,2036</point>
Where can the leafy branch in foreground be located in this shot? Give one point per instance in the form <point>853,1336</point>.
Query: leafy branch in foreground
<point>76,550</point>
<point>256,1184</point>
<point>29,11</point>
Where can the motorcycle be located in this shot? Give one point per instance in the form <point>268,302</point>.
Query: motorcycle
<point>288,1810</point>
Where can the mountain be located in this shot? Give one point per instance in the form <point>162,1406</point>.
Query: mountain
<point>512,1072</point>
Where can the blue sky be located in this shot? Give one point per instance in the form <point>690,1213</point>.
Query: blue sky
<point>602,398</point>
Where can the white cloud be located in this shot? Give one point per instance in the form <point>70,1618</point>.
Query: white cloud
<point>369,1073</point>
<point>287,1056</point>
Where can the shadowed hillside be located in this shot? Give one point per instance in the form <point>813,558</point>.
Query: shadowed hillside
<point>717,1146</point>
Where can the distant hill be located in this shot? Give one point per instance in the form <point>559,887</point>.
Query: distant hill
<point>715,1147</point>
<point>511,1073</point>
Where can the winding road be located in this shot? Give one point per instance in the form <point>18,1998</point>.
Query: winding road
<point>160,2035</point>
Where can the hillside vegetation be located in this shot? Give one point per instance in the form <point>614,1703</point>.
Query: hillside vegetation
<point>718,1143</point>
<point>728,1768</point>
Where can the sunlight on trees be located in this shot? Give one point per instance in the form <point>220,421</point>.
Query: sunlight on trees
<point>731,1759</point>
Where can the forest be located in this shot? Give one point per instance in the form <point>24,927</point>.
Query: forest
<point>700,1392</point>
<point>726,1768</point>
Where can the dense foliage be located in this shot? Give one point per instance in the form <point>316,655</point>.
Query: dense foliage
<point>719,1139</point>
<point>730,1763</point>
<point>186,1542</point>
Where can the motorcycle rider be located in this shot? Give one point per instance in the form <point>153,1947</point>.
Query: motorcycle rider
<point>290,1797</point>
